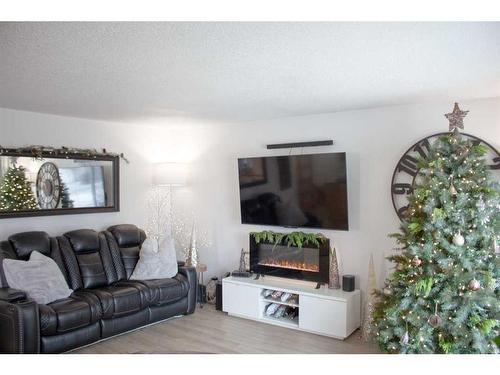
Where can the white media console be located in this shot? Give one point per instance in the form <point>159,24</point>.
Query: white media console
<point>328,312</point>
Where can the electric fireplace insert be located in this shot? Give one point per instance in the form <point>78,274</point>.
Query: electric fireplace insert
<point>303,263</point>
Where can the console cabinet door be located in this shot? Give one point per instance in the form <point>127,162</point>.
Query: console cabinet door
<point>327,317</point>
<point>240,300</point>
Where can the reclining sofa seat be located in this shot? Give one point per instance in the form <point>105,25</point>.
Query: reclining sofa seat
<point>97,266</point>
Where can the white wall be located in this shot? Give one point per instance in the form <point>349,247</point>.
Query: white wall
<point>373,139</point>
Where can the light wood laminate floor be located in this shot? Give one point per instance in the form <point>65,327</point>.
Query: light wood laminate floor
<point>211,331</point>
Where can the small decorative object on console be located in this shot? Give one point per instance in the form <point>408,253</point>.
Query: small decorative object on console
<point>242,271</point>
<point>333,280</point>
<point>348,283</point>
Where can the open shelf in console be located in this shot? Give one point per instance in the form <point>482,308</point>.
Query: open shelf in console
<point>280,307</point>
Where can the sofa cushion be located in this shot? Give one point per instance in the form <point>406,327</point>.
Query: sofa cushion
<point>65,315</point>
<point>40,277</point>
<point>157,260</point>
<point>118,300</point>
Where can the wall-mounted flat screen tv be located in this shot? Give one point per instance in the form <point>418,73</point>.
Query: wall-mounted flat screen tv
<point>308,191</point>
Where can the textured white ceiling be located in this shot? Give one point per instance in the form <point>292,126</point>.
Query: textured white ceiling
<point>241,71</point>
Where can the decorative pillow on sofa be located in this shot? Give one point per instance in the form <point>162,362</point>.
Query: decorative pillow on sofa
<point>39,277</point>
<point>156,262</point>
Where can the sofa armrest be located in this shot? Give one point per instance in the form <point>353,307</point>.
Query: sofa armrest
<point>190,274</point>
<point>20,326</point>
<point>12,295</point>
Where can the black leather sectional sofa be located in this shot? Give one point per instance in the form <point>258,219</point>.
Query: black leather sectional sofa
<point>97,266</point>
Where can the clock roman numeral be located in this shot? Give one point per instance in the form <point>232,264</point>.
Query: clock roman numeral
<point>402,188</point>
<point>408,164</point>
<point>402,211</point>
<point>496,164</point>
<point>423,148</point>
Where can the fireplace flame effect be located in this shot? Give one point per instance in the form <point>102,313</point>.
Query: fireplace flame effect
<point>285,263</point>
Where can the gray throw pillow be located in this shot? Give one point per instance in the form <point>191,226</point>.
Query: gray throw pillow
<point>39,277</point>
<point>156,261</point>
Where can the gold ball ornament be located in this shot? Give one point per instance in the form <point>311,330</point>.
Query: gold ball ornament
<point>416,261</point>
<point>474,285</point>
<point>434,320</point>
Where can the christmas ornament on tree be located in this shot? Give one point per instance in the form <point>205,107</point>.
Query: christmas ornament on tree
<point>495,246</point>
<point>405,339</point>
<point>474,285</point>
<point>458,239</point>
<point>416,261</point>
<point>434,319</point>
<point>467,319</point>
<point>452,189</point>
<point>15,191</point>
<point>387,291</point>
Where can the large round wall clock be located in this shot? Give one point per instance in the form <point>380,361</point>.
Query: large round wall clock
<point>48,186</point>
<point>406,171</point>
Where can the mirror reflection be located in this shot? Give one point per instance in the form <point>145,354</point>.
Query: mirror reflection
<point>28,184</point>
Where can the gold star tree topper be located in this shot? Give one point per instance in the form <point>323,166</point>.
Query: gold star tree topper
<point>456,118</point>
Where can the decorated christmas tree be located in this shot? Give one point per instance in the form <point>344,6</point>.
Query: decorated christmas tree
<point>443,296</point>
<point>15,191</point>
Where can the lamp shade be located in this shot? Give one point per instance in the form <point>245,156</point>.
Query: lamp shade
<point>170,174</point>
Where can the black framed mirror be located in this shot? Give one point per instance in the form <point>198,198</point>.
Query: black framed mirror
<point>58,182</point>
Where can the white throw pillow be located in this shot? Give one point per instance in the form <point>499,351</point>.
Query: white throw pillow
<point>39,277</point>
<point>156,262</point>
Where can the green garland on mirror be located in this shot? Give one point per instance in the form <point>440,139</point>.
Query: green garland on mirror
<point>297,239</point>
<point>38,152</point>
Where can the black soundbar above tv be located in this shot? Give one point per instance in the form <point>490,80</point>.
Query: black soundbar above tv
<point>303,191</point>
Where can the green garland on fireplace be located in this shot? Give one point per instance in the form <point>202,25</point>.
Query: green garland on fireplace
<point>297,239</point>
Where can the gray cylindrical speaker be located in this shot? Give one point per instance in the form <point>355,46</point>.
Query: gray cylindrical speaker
<point>348,283</point>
